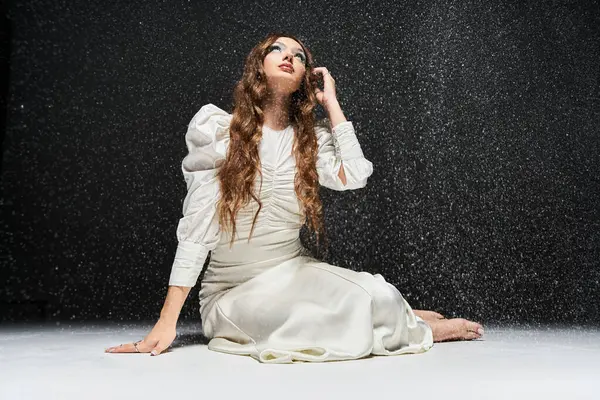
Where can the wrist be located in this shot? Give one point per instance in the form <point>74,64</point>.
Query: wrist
<point>332,106</point>
<point>335,113</point>
<point>168,318</point>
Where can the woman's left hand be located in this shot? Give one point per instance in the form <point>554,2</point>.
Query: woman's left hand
<point>326,96</point>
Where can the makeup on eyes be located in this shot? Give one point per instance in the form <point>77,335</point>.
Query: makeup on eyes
<point>280,45</point>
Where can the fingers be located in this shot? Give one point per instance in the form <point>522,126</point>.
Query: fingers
<point>142,347</point>
<point>320,70</point>
<point>159,348</point>
<point>319,95</point>
<point>122,348</point>
<point>328,91</point>
<point>326,74</point>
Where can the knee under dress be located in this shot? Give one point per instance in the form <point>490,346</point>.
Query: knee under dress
<point>268,298</point>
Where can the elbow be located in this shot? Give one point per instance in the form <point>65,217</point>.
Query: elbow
<point>360,184</point>
<point>357,176</point>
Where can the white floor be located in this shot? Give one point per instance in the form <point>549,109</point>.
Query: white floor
<point>68,362</point>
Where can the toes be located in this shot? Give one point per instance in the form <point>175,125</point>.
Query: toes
<point>470,330</point>
<point>456,329</point>
<point>475,327</point>
<point>472,335</point>
<point>428,314</point>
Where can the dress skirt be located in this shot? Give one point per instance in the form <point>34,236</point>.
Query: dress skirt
<point>306,310</point>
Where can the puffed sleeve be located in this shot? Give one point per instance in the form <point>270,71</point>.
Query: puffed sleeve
<point>198,230</point>
<point>339,145</point>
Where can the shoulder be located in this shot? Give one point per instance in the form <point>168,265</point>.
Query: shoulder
<point>210,110</point>
<point>207,139</point>
<point>210,123</point>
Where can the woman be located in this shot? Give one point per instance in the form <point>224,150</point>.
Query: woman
<point>253,180</point>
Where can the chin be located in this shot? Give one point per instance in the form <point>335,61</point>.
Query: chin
<point>288,85</point>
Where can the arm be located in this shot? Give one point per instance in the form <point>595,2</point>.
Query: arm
<point>174,301</point>
<point>341,164</point>
<point>164,331</point>
<point>336,116</point>
<point>198,230</point>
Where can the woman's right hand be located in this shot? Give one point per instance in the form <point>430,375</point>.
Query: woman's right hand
<point>157,341</point>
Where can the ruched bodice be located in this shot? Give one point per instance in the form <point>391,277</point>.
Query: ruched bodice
<point>280,206</point>
<point>275,238</point>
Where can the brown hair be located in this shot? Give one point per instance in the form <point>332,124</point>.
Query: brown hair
<point>238,172</point>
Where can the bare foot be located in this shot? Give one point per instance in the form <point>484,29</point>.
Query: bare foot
<point>455,329</point>
<point>428,315</point>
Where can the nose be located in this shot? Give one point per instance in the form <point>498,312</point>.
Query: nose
<point>289,56</point>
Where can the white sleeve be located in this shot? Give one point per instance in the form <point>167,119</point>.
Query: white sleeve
<point>198,231</point>
<point>336,146</point>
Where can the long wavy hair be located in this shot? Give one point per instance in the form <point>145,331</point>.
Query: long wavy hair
<point>237,174</point>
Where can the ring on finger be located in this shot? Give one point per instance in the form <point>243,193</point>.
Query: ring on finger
<point>135,344</point>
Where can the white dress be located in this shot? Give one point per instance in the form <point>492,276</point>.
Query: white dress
<point>268,298</point>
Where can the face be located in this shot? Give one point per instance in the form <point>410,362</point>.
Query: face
<point>285,65</point>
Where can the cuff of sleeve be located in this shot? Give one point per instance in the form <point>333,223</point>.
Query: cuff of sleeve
<point>189,260</point>
<point>345,141</point>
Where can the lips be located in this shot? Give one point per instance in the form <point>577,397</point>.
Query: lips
<point>287,67</point>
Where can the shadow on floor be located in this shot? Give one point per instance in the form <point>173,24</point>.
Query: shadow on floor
<point>189,339</point>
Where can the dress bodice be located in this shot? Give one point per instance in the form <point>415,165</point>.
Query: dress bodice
<point>276,232</point>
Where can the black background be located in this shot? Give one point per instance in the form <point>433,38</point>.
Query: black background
<point>481,120</point>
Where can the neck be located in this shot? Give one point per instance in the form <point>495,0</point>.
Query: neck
<point>276,111</point>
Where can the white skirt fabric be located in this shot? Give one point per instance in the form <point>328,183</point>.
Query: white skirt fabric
<point>302,309</point>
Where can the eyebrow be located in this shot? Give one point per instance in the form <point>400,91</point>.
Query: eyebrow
<point>295,48</point>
